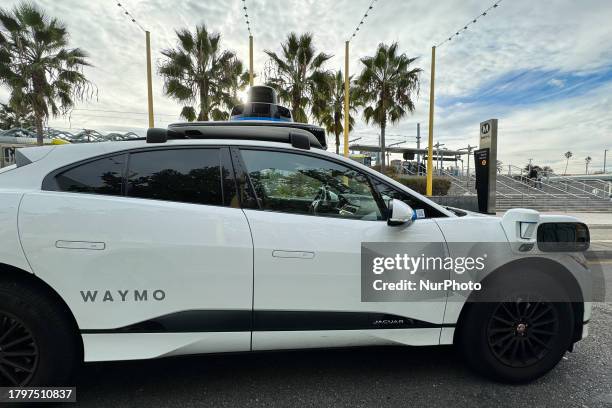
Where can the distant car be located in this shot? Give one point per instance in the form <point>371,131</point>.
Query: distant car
<point>232,237</point>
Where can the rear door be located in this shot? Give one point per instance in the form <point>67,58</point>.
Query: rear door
<point>148,241</point>
<point>309,218</point>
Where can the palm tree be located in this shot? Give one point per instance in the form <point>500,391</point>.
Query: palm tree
<point>298,75</point>
<point>568,155</point>
<point>199,72</point>
<point>329,111</point>
<point>385,87</point>
<point>42,74</point>
<point>587,161</point>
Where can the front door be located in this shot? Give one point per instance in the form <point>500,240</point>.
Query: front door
<point>313,216</point>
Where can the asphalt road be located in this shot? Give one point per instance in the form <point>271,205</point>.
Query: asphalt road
<point>365,377</point>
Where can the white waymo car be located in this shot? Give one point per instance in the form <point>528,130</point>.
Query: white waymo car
<point>243,236</point>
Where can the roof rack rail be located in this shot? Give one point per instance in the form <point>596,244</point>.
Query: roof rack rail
<point>316,131</point>
<point>296,136</point>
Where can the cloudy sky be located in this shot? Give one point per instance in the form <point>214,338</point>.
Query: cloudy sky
<point>543,68</point>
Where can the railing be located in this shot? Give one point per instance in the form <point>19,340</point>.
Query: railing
<point>545,181</point>
<point>456,181</point>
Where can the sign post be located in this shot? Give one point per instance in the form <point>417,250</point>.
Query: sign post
<point>488,140</point>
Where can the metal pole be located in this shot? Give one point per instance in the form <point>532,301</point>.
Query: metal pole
<point>346,99</point>
<point>149,80</point>
<point>251,60</point>
<point>431,124</point>
<point>605,155</point>
<point>468,166</point>
<point>418,137</point>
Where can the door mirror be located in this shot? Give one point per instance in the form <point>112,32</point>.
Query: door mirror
<point>400,213</point>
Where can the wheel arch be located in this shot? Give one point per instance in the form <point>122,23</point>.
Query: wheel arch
<point>19,276</point>
<point>549,268</point>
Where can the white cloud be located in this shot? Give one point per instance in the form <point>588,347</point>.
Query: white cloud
<point>560,36</point>
<point>559,83</point>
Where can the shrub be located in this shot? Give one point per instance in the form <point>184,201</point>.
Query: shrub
<point>440,185</point>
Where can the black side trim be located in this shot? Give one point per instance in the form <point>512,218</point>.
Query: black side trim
<point>240,321</point>
<point>311,320</point>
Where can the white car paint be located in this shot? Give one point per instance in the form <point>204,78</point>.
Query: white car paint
<point>208,257</point>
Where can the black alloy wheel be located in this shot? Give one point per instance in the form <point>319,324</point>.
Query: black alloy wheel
<point>520,333</point>
<point>18,351</point>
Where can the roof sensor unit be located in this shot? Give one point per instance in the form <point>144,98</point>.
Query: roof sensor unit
<point>261,105</point>
<point>263,94</point>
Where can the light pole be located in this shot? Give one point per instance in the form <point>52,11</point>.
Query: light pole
<point>149,80</point>
<point>418,138</point>
<point>605,156</point>
<point>251,73</point>
<point>429,188</point>
<point>346,99</point>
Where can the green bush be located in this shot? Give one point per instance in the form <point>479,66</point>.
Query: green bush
<point>440,185</point>
<point>389,171</point>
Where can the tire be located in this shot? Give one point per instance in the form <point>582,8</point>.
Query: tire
<point>38,343</point>
<point>523,337</point>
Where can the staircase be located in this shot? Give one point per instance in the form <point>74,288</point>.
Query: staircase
<point>555,193</point>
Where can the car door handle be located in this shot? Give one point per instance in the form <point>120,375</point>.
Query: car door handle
<point>95,246</point>
<point>293,254</point>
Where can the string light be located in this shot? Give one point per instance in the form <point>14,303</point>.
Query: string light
<point>246,16</point>
<point>363,19</point>
<point>130,16</point>
<point>465,27</point>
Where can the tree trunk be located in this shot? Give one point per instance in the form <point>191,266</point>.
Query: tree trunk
<point>337,130</point>
<point>39,129</point>
<point>204,106</point>
<point>337,142</point>
<point>383,125</point>
<point>38,110</point>
<point>383,157</point>
<point>295,107</point>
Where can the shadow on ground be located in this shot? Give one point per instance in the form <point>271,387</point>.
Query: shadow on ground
<point>361,377</point>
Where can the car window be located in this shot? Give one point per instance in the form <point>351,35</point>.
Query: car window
<point>183,175</point>
<point>102,176</point>
<point>302,184</point>
<point>421,209</point>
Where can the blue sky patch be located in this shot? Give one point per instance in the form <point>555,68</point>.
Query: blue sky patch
<point>526,87</point>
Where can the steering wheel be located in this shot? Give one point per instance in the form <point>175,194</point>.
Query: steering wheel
<point>323,197</point>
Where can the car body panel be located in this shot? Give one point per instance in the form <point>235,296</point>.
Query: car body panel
<point>199,256</point>
<point>11,252</point>
<point>330,279</point>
